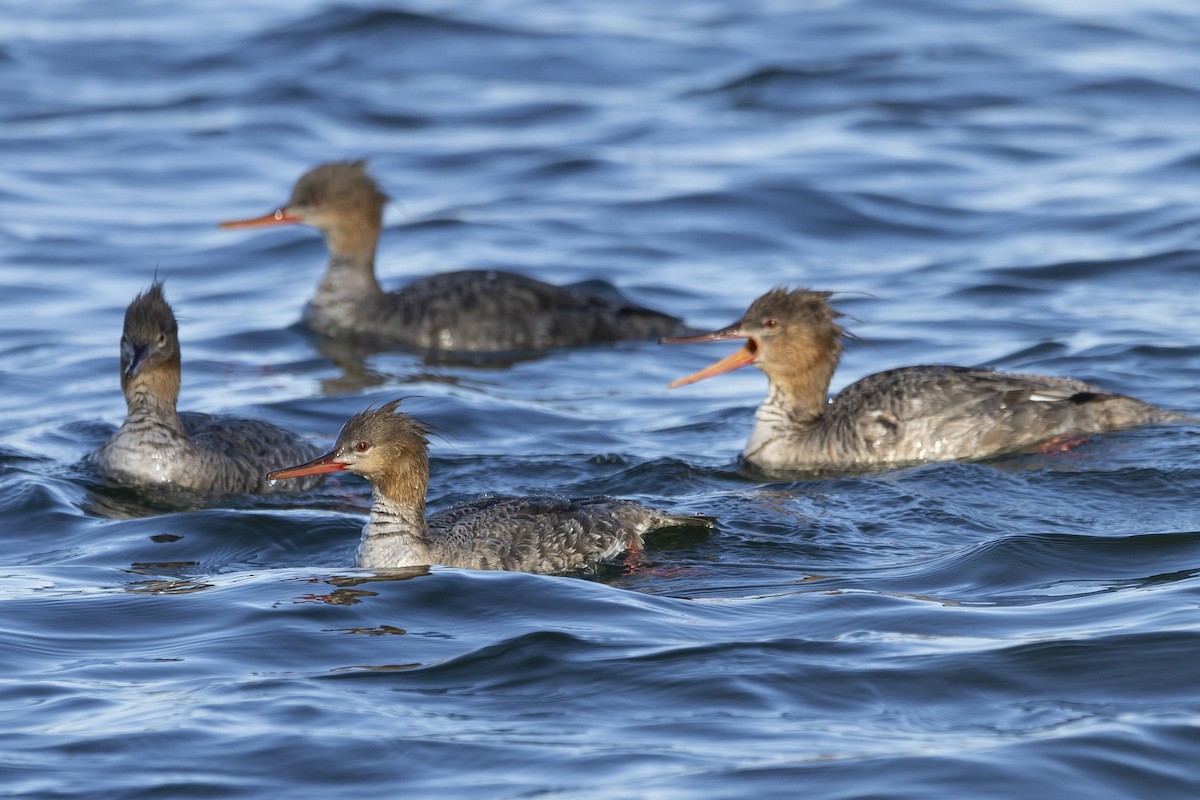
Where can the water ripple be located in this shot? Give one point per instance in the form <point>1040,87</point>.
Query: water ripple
<point>982,184</point>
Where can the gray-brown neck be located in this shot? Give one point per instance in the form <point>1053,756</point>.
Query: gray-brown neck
<point>348,290</point>
<point>352,239</point>
<point>797,400</point>
<point>153,394</point>
<point>397,533</point>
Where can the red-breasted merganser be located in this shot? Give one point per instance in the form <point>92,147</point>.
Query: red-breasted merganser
<point>159,445</point>
<point>468,311</point>
<point>524,534</point>
<point>905,415</point>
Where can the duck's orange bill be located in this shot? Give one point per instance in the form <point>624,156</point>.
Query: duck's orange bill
<point>277,217</point>
<point>727,364</point>
<point>318,466</point>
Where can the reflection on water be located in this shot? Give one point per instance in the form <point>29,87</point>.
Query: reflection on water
<point>356,375</point>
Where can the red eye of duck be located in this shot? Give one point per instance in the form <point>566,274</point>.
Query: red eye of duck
<point>770,322</point>
<point>362,447</point>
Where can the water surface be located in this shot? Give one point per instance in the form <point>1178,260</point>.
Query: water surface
<point>1006,184</point>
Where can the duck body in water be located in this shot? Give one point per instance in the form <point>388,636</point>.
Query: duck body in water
<point>541,533</point>
<point>157,444</point>
<point>905,415</point>
<point>471,311</point>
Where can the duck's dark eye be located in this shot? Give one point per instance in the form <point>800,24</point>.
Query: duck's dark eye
<point>770,322</point>
<point>362,447</point>
<point>162,338</point>
<point>313,201</point>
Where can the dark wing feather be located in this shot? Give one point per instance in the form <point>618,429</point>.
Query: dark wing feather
<point>491,310</point>
<point>917,413</point>
<point>248,450</point>
<point>544,533</point>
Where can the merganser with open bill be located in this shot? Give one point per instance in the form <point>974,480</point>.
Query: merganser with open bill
<point>904,415</point>
<point>157,444</point>
<point>473,311</point>
<point>542,533</point>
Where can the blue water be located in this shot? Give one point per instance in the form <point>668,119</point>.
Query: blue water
<point>1009,184</point>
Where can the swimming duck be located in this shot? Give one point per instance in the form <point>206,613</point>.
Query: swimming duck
<point>541,533</point>
<point>473,311</point>
<point>156,444</point>
<point>904,415</point>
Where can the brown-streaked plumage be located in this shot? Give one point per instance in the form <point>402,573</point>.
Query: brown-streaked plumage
<point>541,533</point>
<point>157,444</point>
<point>471,311</point>
<point>904,415</point>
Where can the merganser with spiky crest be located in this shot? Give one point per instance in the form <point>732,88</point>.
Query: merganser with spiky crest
<point>542,533</point>
<point>474,311</point>
<point>156,444</point>
<point>904,415</point>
